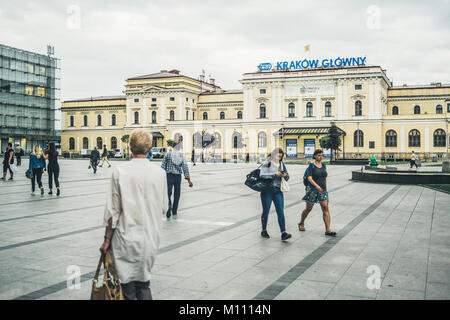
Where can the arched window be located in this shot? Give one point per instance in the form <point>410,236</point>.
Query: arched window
<point>172,115</point>
<point>291,110</point>
<point>414,138</point>
<point>358,139</point>
<point>136,117</point>
<point>113,120</point>
<point>439,109</point>
<point>217,140</point>
<point>439,138</point>
<point>309,109</point>
<point>416,109</point>
<point>113,143</point>
<point>153,116</point>
<point>391,138</point>
<point>205,115</point>
<point>262,111</point>
<point>85,143</point>
<point>262,140</point>
<point>237,140</point>
<point>99,120</point>
<point>99,143</point>
<point>187,115</point>
<point>358,108</point>
<point>193,115</point>
<point>394,110</point>
<point>328,109</point>
<point>71,122</point>
<point>222,115</point>
<point>85,122</point>
<point>239,114</point>
<point>71,144</point>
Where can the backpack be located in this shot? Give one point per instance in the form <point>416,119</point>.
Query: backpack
<point>305,177</point>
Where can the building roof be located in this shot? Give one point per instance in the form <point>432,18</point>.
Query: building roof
<point>433,85</point>
<point>100,98</point>
<point>222,92</point>
<point>162,74</point>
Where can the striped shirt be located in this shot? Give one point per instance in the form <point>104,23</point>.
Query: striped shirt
<point>174,162</point>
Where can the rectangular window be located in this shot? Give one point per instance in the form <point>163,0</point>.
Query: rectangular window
<point>371,144</point>
<point>448,107</point>
<point>136,100</point>
<point>187,99</point>
<point>172,99</point>
<point>358,86</point>
<point>29,90</point>
<point>153,99</point>
<point>41,92</point>
<point>262,91</point>
<point>153,105</point>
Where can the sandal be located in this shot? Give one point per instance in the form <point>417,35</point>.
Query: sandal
<point>330,233</point>
<point>301,227</point>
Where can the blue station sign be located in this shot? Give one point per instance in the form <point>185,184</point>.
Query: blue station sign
<point>312,63</point>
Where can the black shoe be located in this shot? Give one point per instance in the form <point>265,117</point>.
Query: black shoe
<point>285,236</point>
<point>10,178</point>
<point>109,166</point>
<point>264,234</point>
<point>58,192</point>
<point>42,191</point>
<point>50,192</point>
<point>169,213</point>
<point>3,178</point>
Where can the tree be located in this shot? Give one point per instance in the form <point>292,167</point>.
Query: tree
<point>126,139</point>
<point>170,143</point>
<point>203,140</point>
<point>332,140</point>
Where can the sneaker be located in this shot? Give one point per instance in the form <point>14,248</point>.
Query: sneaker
<point>58,192</point>
<point>32,193</point>
<point>109,166</point>
<point>169,213</point>
<point>42,191</point>
<point>10,178</point>
<point>264,234</point>
<point>3,178</point>
<point>100,166</point>
<point>50,192</point>
<point>285,236</point>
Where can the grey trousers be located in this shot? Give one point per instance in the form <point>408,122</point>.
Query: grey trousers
<point>136,290</point>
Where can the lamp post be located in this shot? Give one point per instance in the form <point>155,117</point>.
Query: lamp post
<point>358,141</point>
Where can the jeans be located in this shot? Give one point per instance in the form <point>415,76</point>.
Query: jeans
<point>19,160</point>
<point>275,195</point>
<point>94,164</point>
<point>37,175</point>
<point>413,163</point>
<point>173,181</point>
<point>53,170</point>
<point>136,290</point>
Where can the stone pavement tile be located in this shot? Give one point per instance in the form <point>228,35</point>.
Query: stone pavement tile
<point>205,281</point>
<point>440,275</point>
<point>83,293</point>
<point>234,265</point>
<point>161,282</point>
<point>186,268</point>
<point>336,258</point>
<point>404,279</point>
<point>324,273</point>
<point>215,255</point>
<point>256,276</point>
<point>280,259</point>
<point>305,290</point>
<point>437,291</point>
<point>350,249</point>
<point>411,252</point>
<point>354,286</point>
<point>56,275</point>
<point>360,267</point>
<point>15,274</point>
<point>387,293</point>
<point>338,296</point>
<point>178,294</point>
<point>257,252</point>
<point>234,291</point>
<point>439,257</point>
<point>11,290</point>
<point>417,265</point>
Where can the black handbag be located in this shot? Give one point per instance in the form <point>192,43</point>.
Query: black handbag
<point>29,174</point>
<point>254,182</point>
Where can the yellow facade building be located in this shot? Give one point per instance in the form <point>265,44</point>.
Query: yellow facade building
<point>291,109</point>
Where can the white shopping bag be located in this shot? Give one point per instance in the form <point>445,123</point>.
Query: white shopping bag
<point>14,169</point>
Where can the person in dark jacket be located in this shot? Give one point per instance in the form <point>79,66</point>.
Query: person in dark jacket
<point>8,158</point>
<point>316,192</point>
<point>105,156</point>
<point>37,165</point>
<point>53,167</point>
<point>273,170</point>
<point>94,158</point>
<point>18,153</point>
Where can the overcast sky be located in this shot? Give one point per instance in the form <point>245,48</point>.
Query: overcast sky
<point>101,43</point>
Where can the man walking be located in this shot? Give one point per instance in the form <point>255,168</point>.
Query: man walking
<point>95,156</point>
<point>105,156</point>
<point>173,163</point>
<point>8,159</point>
<point>19,153</point>
<point>414,159</point>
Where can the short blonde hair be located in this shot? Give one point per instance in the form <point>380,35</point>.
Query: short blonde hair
<point>140,141</point>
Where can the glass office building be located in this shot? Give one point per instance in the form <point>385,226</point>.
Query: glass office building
<point>29,98</point>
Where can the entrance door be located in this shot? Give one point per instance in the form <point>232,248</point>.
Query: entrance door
<point>291,148</point>
<point>310,147</point>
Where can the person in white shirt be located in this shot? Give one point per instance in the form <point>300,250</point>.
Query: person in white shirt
<point>136,203</point>
<point>414,159</point>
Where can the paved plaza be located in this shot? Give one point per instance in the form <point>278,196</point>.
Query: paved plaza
<point>393,240</point>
